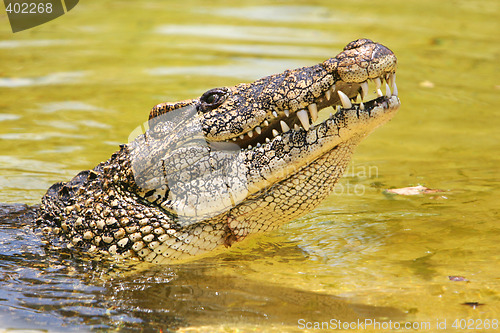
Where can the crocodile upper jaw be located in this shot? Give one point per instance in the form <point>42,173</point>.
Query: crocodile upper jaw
<point>341,96</point>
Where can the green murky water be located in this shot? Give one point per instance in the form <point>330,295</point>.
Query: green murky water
<point>73,89</point>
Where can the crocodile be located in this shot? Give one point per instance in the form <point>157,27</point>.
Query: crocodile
<point>237,161</point>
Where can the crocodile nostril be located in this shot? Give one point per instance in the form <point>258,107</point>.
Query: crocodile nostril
<point>357,43</point>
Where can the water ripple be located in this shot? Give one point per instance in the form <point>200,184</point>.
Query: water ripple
<point>249,33</point>
<point>49,79</point>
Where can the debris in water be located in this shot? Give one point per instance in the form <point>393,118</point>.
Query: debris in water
<point>413,190</point>
<point>427,84</point>
<point>457,278</point>
<point>473,304</point>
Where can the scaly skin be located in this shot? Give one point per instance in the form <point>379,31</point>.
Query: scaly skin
<point>237,161</point>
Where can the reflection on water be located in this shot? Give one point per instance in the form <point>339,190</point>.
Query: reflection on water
<point>49,79</point>
<point>67,106</point>
<point>38,137</point>
<point>8,116</point>
<point>10,44</point>
<point>248,33</point>
<point>283,13</point>
<point>73,89</point>
<point>248,69</point>
<point>296,51</point>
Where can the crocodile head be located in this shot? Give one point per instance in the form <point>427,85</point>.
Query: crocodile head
<point>236,161</point>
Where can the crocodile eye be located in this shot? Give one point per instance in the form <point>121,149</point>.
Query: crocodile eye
<point>213,98</point>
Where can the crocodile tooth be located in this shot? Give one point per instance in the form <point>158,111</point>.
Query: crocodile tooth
<point>287,113</point>
<point>304,119</point>
<point>234,139</point>
<point>378,84</point>
<point>328,94</point>
<point>313,110</point>
<point>258,145</point>
<point>364,90</point>
<point>284,126</point>
<point>275,132</point>
<point>296,127</point>
<point>266,123</point>
<point>361,106</point>
<point>387,90</point>
<point>249,147</point>
<point>275,114</point>
<point>331,115</point>
<point>258,130</point>
<point>346,103</point>
<point>267,140</point>
<point>242,137</point>
<point>250,133</point>
<point>392,79</point>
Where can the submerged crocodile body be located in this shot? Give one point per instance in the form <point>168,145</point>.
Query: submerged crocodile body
<point>236,161</point>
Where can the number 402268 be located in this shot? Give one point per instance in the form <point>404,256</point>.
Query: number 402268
<point>475,324</point>
<point>29,8</point>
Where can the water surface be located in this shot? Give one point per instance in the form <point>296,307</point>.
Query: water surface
<point>73,89</point>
